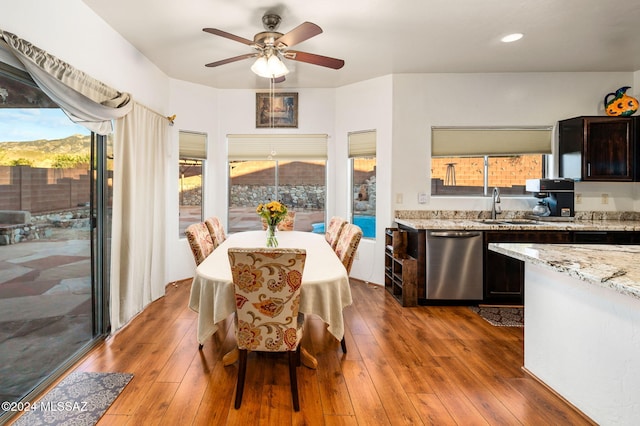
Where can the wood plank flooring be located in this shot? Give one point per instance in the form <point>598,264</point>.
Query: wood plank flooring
<point>414,366</point>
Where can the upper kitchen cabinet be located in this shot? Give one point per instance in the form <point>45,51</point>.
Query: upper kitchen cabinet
<point>599,148</point>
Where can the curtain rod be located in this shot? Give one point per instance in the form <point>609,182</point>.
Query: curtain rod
<point>170,118</point>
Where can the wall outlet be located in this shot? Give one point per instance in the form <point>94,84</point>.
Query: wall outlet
<point>578,198</point>
<point>605,199</point>
<point>422,197</point>
<point>399,198</point>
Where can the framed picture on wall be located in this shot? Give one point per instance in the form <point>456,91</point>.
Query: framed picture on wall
<point>276,110</point>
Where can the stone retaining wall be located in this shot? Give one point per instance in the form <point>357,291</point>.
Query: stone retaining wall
<point>40,226</point>
<point>310,197</point>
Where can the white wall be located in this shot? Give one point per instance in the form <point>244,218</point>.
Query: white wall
<point>196,109</point>
<point>365,106</point>
<point>582,340</point>
<point>501,99</point>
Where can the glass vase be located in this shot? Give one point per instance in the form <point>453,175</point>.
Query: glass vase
<point>272,240</point>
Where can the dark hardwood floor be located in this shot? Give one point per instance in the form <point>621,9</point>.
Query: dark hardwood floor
<point>422,365</point>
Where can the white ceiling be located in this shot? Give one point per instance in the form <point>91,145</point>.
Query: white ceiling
<point>377,38</point>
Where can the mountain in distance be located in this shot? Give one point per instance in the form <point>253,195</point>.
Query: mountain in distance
<point>42,151</point>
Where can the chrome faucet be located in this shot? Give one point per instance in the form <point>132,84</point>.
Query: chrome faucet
<point>495,200</point>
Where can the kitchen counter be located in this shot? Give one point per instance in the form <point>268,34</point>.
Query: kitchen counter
<point>511,224</point>
<point>582,324</point>
<point>609,266</point>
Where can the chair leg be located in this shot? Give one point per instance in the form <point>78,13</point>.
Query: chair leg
<point>242,372</point>
<point>343,343</point>
<point>293,377</point>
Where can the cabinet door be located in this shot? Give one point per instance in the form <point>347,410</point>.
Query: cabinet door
<point>504,279</point>
<point>608,149</point>
<point>504,275</point>
<point>594,148</point>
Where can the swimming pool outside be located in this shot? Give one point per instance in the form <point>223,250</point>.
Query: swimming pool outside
<point>366,223</point>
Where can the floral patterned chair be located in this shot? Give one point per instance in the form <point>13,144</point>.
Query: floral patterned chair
<point>345,250</point>
<point>336,224</point>
<point>285,224</point>
<point>216,230</point>
<point>267,287</point>
<point>200,241</point>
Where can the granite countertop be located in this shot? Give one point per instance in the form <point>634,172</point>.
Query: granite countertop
<point>517,220</point>
<point>511,224</point>
<point>609,266</point>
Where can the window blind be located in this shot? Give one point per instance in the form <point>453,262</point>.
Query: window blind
<point>362,144</point>
<point>277,147</point>
<point>193,145</point>
<point>467,142</point>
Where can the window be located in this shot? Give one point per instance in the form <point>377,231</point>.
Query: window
<point>362,154</point>
<point>288,168</point>
<point>193,152</point>
<point>471,161</point>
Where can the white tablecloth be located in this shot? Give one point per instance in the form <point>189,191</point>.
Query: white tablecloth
<point>325,283</point>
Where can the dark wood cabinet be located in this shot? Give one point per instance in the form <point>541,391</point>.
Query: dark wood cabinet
<point>417,249</point>
<point>606,237</point>
<point>599,148</point>
<point>400,269</point>
<point>504,275</point>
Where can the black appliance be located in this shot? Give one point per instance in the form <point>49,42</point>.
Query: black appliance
<point>557,194</point>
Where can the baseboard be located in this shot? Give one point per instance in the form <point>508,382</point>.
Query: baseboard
<point>553,391</point>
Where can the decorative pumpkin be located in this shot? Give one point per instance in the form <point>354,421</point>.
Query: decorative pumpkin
<point>620,104</point>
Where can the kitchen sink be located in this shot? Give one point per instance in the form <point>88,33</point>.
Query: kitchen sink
<point>509,221</point>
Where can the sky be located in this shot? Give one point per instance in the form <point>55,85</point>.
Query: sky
<point>28,124</point>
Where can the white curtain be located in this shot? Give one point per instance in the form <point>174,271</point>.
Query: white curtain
<point>84,99</point>
<point>138,244</point>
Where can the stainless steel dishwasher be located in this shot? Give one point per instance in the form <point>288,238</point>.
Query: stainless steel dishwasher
<point>454,265</point>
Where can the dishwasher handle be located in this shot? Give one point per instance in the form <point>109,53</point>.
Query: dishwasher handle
<point>455,234</point>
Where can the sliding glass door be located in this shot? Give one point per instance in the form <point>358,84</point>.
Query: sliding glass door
<point>54,220</point>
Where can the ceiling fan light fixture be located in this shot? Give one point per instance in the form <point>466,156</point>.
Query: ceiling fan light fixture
<point>277,68</point>
<point>260,67</point>
<point>272,67</point>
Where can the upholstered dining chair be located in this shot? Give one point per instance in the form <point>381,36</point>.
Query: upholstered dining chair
<point>267,290</point>
<point>346,250</point>
<point>200,241</point>
<point>216,230</point>
<point>336,224</point>
<point>286,224</point>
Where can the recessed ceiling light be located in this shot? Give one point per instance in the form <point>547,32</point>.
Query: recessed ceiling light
<point>511,37</point>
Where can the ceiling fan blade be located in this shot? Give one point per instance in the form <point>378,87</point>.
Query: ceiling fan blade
<point>312,58</point>
<point>302,32</point>
<point>278,79</point>
<point>229,60</point>
<point>230,36</point>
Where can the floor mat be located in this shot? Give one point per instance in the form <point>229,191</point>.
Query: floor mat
<point>80,399</point>
<point>501,316</point>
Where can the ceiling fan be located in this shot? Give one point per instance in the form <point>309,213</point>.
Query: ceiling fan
<point>271,46</point>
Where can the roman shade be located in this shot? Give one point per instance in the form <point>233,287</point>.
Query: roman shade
<point>480,141</point>
<point>277,147</point>
<point>362,144</point>
<point>193,145</point>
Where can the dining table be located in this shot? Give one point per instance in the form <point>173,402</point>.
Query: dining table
<point>325,290</point>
